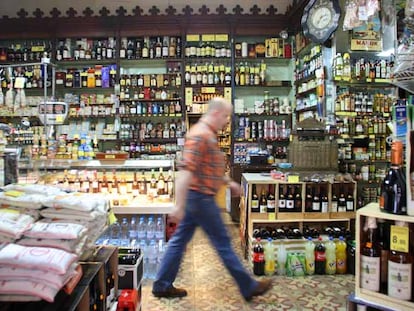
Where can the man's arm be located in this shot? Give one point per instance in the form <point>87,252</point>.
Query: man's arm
<point>182,182</point>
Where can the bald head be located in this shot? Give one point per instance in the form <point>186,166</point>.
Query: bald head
<point>218,112</point>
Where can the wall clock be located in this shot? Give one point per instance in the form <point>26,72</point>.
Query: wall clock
<point>320,19</point>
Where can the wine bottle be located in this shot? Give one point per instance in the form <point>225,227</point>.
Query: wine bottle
<point>316,203</point>
<point>290,202</point>
<point>334,203</point>
<point>282,200</point>
<point>400,264</point>
<point>263,201</point>
<point>342,203</point>
<point>255,200</point>
<point>384,242</point>
<point>349,202</point>
<point>308,200</point>
<point>298,200</point>
<point>393,190</point>
<point>370,257</point>
<point>324,203</point>
<point>271,200</point>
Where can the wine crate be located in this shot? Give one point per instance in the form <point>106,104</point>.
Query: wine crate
<point>385,301</point>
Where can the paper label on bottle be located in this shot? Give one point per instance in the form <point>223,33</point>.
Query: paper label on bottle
<point>370,273</point>
<point>399,239</point>
<point>399,280</point>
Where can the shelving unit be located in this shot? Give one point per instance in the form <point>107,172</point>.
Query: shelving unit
<point>376,298</point>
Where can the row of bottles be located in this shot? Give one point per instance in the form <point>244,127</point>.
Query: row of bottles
<point>267,129</point>
<point>207,48</point>
<point>270,47</point>
<point>289,199</point>
<point>307,65</point>
<point>345,68</point>
<point>27,51</point>
<point>155,80</point>
<point>150,47</point>
<point>362,102</point>
<point>135,150</point>
<point>90,77</point>
<point>146,130</point>
<point>29,77</point>
<point>377,150</point>
<point>362,125</point>
<point>318,258</point>
<point>242,154</point>
<point>144,183</point>
<point>86,49</point>
<point>387,258</point>
<point>153,108</point>
<point>293,232</point>
<point>247,73</point>
<point>197,74</point>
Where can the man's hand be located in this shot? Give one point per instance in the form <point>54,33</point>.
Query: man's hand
<point>177,214</point>
<point>235,188</point>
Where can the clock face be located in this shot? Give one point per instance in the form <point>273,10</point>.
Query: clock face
<point>320,19</point>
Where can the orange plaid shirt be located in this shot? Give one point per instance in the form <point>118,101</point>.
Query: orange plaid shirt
<point>203,157</point>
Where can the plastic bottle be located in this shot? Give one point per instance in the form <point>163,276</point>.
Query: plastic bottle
<point>152,254</point>
<point>269,254</point>
<point>150,228</point>
<point>133,227</point>
<point>144,251</point>
<point>258,258</point>
<point>142,229</point>
<point>115,233</point>
<point>281,258</point>
<point>320,257</point>
<point>341,256</point>
<point>124,239</point>
<point>330,266</point>
<point>310,256</point>
<point>159,229</point>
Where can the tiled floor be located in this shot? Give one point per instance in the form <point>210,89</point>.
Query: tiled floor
<point>211,288</point>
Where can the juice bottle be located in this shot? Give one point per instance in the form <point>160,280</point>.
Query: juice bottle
<point>310,256</point>
<point>330,265</point>
<point>281,259</point>
<point>269,254</point>
<point>341,256</point>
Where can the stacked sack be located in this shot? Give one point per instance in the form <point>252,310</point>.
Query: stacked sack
<point>40,218</point>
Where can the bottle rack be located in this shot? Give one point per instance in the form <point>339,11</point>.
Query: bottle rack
<point>376,298</point>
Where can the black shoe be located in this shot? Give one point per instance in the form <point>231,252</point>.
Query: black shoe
<point>261,288</point>
<point>172,292</point>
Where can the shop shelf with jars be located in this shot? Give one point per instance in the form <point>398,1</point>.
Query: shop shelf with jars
<point>278,202</point>
<point>384,246</point>
<point>309,81</point>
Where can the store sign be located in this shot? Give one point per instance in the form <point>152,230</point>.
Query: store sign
<point>367,37</point>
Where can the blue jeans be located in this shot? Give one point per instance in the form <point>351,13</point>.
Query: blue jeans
<point>202,210</point>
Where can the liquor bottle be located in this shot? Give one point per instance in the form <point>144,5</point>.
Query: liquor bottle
<point>135,185</point>
<point>290,201</point>
<point>271,204</point>
<point>342,203</point>
<point>298,200</point>
<point>400,264</point>
<point>282,200</point>
<point>255,200</point>
<point>170,183</point>
<point>334,203</point>
<point>324,203</point>
<point>160,182</point>
<point>370,257</point>
<point>316,202</point>
<point>384,243</point>
<point>393,190</point>
<point>349,202</point>
<point>308,200</point>
<point>104,183</point>
<point>263,201</point>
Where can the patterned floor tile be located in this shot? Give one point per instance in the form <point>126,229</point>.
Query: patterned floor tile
<point>211,288</point>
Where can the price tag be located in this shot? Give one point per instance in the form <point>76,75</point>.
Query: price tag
<point>208,90</point>
<point>14,193</point>
<point>222,37</point>
<point>271,216</point>
<point>399,239</point>
<point>207,37</point>
<point>293,178</point>
<point>192,38</point>
<point>19,82</point>
<point>59,118</point>
<point>109,156</point>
